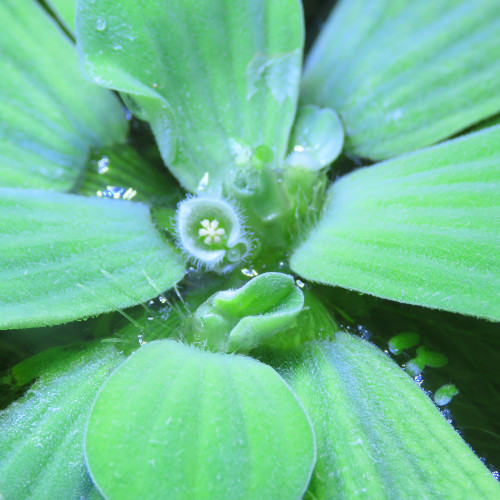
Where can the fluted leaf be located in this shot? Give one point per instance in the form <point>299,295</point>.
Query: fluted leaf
<point>41,435</point>
<point>379,435</point>
<point>421,229</point>
<point>65,257</point>
<point>405,74</point>
<point>217,80</point>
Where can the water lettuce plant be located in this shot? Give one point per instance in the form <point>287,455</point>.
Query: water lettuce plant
<point>174,319</point>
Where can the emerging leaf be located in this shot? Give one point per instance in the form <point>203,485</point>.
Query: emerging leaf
<point>317,138</point>
<point>239,320</point>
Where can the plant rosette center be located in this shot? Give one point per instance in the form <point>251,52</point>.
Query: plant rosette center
<point>211,232</point>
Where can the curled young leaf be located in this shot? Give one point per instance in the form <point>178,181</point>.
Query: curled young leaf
<point>239,320</point>
<point>317,138</point>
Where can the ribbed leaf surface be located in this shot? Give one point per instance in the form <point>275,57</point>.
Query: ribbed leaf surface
<point>65,257</point>
<point>214,78</point>
<point>177,419</point>
<point>41,435</point>
<point>379,435</point>
<point>421,229</point>
<point>49,115</point>
<point>404,74</point>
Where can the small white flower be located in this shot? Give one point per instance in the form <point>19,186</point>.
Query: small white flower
<point>211,231</point>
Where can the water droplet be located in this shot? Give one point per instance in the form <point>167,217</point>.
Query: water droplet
<point>100,24</point>
<point>103,165</point>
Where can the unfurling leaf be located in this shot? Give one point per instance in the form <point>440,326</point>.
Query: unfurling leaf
<point>239,320</point>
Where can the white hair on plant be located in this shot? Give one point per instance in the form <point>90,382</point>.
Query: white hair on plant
<point>211,232</point>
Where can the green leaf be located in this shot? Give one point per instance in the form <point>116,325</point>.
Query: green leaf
<point>65,11</point>
<point>217,80</point>
<point>405,74</point>
<point>378,434</point>
<point>66,257</point>
<point>421,229</point>
<point>121,172</point>
<point>42,434</point>
<point>239,320</point>
<point>50,115</point>
<point>317,138</point>
<point>196,424</point>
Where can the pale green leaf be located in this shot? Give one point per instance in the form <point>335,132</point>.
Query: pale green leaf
<point>378,434</point>
<point>195,424</point>
<point>66,257</point>
<point>65,11</point>
<point>317,138</point>
<point>217,80</point>
<point>421,229</point>
<point>404,74</point>
<point>49,115</point>
<point>41,435</point>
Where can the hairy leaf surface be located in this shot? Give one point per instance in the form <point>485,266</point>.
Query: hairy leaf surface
<point>421,229</point>
<point>405,74</point>
<point>41,435</point>
<point>50,116</point>
<point>379,435</point>
<point>65,257</point>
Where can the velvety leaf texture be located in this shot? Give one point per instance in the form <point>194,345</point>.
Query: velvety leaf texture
<point>65,257</point>
<point>405,74</point>
<point>41,435</point>
<point>421,229</point>
<point>174,418</point>
<point>379,435</point>
<point>49,115</point>
<point>214,79</point>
